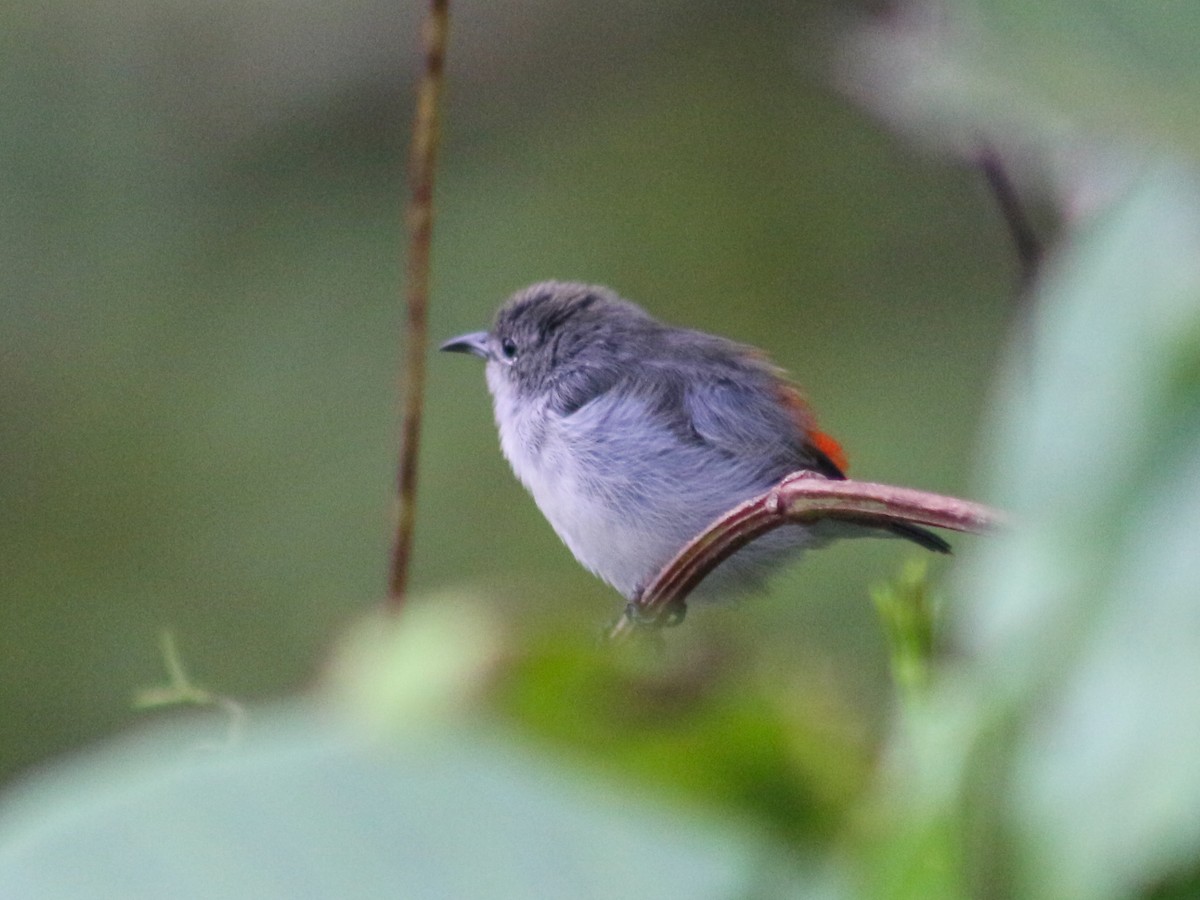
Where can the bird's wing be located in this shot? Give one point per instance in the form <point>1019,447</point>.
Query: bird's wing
<point>769,420</point>
<point>753,413</point>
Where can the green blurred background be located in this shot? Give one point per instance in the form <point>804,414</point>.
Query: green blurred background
<point>200,208</point>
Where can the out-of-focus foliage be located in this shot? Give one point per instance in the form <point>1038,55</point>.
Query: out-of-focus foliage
<point>413,794</point>
<point>1057,753</point>
<point>908,615</point>
<point>304,810</point>
<point>1047,748</point>
<point>1056,757</point>
<point>1120,71</point>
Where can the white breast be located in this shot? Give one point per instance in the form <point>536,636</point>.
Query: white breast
<point>590,486</point>
<point>623,492</point>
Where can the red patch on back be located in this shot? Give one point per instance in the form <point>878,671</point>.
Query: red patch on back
<point>830,448</point>
<point>798,409</point>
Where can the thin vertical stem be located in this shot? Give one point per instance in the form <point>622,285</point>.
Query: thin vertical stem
<point>419,220</point>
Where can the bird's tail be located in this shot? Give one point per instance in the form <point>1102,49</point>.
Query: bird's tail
<point>919,535</point>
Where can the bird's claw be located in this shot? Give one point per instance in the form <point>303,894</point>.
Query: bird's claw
<point>666,617</point>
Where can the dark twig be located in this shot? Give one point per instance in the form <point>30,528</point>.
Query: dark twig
<point>799,498</point>
<point>1025,239</point>
<point>422,162</point>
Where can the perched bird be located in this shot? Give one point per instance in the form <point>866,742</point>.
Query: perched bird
<point>633,435</point>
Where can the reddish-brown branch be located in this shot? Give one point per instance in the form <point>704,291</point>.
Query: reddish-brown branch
<point>800,498</point>
<point>419,219</point>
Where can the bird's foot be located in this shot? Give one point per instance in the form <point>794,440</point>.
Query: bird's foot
<point>666,617</point>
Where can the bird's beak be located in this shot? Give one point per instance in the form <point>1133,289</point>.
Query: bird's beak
<point>476,342</point>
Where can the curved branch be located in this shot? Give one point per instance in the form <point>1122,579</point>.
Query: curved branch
<point>802,497</point>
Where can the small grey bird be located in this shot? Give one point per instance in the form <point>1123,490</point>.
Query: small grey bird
<point>633,435</point>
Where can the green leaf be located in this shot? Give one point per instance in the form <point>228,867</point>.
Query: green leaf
<point>907,614</point>
<point>1082,626</point>
<point>305,808</point>
<point>1050,73</point>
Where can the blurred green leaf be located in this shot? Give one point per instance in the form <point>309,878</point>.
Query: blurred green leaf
<point>1082,82</point>
<point>304,809</point>
<point>1073,722</point>
<point>740,742</point>
<point>1056,757</point>
<point>383,790</point>
<point>433,663</point>
<point>1115,67</point>
<point>908,616</point>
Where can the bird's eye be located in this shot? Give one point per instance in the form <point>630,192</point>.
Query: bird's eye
<point>509,348</point>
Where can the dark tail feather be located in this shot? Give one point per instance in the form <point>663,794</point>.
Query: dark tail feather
<point>918,535</point>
